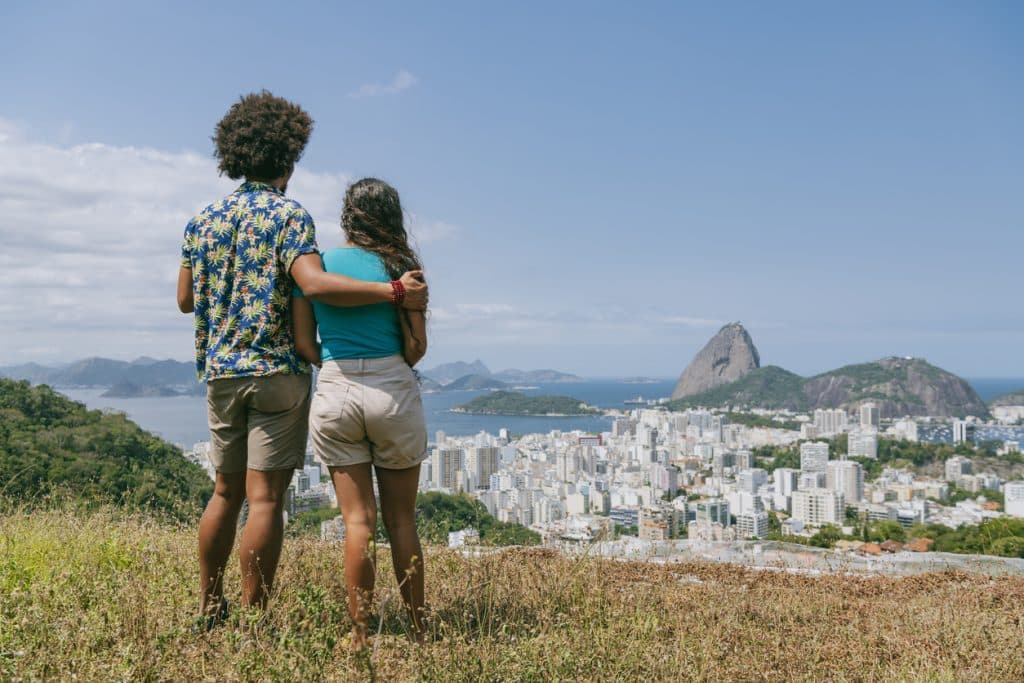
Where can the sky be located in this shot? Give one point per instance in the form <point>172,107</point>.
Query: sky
<point>594,187</point>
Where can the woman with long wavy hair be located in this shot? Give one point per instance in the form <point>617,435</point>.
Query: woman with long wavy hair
<point>367,413</point>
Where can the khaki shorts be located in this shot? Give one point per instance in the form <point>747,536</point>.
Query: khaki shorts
<point>259,423</point>
<point>368,410</point>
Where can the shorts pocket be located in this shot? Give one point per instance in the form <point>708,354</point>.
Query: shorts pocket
<point>333,414</point>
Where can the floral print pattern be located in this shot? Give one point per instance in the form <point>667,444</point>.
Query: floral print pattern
<point>241,250</point>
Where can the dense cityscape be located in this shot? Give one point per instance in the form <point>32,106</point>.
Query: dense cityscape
<point>658,475</point>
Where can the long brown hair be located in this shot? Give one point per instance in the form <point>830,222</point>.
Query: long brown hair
<point>372,219</point>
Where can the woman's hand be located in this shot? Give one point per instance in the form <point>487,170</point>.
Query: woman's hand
<point>416,292</point>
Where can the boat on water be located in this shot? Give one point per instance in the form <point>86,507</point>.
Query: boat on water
<point>638,401</point>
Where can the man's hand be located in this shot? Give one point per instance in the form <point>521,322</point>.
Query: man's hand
<point>416,292</point>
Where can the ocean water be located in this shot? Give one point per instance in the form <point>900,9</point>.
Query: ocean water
<point>182,419</point>
<point>990,387</point>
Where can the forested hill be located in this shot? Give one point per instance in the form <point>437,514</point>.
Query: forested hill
<point>50,444</point>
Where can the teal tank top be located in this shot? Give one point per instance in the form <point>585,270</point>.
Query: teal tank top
<point>371,331</point>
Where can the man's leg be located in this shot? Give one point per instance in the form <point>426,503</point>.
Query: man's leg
<point>398,506</point>
<point>354,487</point>
<point>260,548</point>
<point>216,538</point>
<point>278,422</point>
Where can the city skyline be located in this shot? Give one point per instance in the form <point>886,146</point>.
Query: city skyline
<point>843,185</point>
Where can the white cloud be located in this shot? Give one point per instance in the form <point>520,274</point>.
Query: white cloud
<point>424,231</point>
<point>403,80</point>
<point>91,237</point>
<point>502,323</point>
<point>686,321</point>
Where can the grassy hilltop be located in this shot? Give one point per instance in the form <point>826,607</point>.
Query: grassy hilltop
<point>107,596</point>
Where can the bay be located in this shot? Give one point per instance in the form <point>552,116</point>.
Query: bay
<point>182,419</point>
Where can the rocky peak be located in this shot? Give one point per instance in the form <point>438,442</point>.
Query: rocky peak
<point>729,355</point>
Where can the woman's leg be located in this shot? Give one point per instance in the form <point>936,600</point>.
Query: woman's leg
<point>398,506</point>
<point>354,487</point>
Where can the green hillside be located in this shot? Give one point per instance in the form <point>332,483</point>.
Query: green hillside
<point>52,445</point>
<point>769,387</point>
<point>900,386</point>
<point>513,403</point>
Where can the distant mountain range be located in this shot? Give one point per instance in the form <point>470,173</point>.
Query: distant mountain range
<point>104,372</point>
<point>449,373</point>
<point>727,372</point>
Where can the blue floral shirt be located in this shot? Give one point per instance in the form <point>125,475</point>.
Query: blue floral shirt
<point>241,250</point>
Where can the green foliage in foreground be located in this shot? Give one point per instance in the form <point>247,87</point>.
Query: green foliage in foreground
<point>438,513</point>
<point>51,445</point>
<point>514,403</point>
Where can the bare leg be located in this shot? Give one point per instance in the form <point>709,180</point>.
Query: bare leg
<point>216,538</point>
<point>398,506</point>
<point>354,487</point>
<point>263,534</point>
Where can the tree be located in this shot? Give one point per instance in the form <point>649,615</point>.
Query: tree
<point>827,536</point>
<point>887,530</point>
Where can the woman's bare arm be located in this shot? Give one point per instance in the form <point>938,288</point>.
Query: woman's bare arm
<point>186,298</point>
<point>304,330</point>
<point>414,335</point>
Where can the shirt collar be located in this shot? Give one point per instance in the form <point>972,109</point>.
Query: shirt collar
<point>257,186</point>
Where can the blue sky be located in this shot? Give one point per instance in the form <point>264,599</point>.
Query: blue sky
<point>596,187</point>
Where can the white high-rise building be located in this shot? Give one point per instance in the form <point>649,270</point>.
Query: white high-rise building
<point>1013,497</point>
<point>962,431</point>
<point>846,477</point>
<point>811,480</point>
<point>869,415</point>
<point>481,463</point>
<point>715,510</point>
<point>446,467</point>
<point>830,422</point>
<point>863,443</point>
<point>786,480</point>
<point>813,456</point>
<point>567,463</point>
<point>816,507</point>
<point>752,525</point>
<point>957,467</point>
<point>751,480</point>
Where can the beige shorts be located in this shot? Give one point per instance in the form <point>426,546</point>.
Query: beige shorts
<point>259,423</point>
<point>368,410</point>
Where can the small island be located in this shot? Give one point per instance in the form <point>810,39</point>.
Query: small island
<point>521,405</point>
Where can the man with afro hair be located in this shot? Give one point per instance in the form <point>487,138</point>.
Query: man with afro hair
<point>241,258</point>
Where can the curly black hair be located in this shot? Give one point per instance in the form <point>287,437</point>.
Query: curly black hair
<point>261,137</point>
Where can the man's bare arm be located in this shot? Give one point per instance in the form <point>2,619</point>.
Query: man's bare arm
<point>304,330</point>
<point>339,290</point>
<point>186,298</point>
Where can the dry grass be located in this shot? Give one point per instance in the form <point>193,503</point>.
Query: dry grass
<point>106,597</point>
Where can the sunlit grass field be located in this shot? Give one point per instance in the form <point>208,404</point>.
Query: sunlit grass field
<point>110,596</point>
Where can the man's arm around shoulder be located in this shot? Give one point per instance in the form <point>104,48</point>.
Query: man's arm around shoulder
<point>339,290</point>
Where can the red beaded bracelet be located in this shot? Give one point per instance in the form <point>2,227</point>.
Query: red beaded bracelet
<point>397,292</point>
